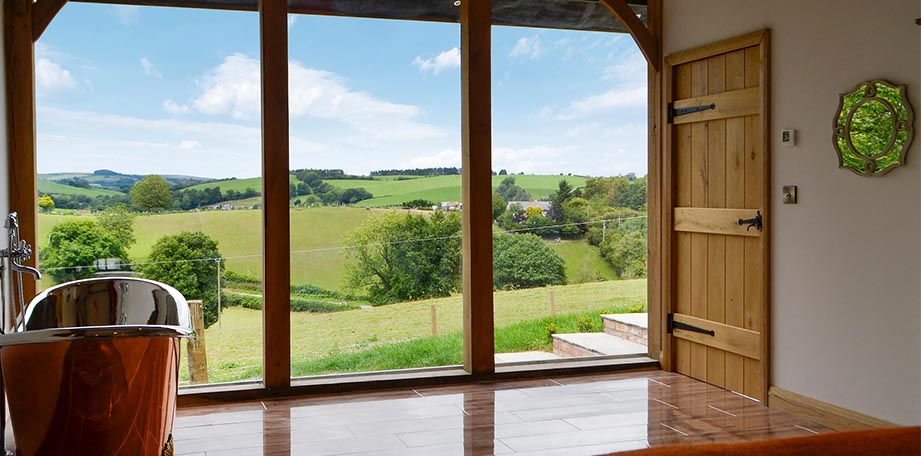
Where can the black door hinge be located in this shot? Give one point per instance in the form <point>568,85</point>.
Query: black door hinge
<point>675,112</point>
<point>672,325</point>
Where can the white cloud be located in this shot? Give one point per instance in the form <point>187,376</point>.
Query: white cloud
<point>189,144</point>
<point>233,88</point>
<point>49,76</point>
<point>444,61</point>
<point>631,70</point>
<point>543,113</point>
<point>126,14</point>
<point>582,129</point>
<point>534,159</point>
<point>150,69</point>
<point>620,98</point>
<point>444,159</point>
<point>173,107</point>
<point>527,47</point>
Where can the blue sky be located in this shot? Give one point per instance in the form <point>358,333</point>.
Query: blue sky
<point>176,91</point>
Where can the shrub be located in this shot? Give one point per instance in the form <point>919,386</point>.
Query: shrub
<point>525,261</point>
<point>74,246</point>
<point>188,262</point>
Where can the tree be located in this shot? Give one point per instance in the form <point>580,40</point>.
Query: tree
<point>188,262</point>
<point>45,203</point>
<point>525,261</point>
<point>503,172</point>
<point>354,195</point>
<point>498,205</point>
<point>511,192</point>
<point>150,193</point>
<point>401,257</point>
<point>74,246</point>
<point>563,194</point>
<point>118,223</point>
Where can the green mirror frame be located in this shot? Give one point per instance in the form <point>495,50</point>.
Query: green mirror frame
<point>873,128</point>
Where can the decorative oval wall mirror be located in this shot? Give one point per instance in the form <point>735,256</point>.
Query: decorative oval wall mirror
<point>873,128</point>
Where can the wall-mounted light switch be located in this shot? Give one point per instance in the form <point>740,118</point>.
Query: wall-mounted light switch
<point>789,194</point>
<point>788,137</point>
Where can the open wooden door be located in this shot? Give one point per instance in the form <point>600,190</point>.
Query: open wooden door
<point>717,167</point>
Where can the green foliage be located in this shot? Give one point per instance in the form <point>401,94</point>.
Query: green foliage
<point>625,249</point>
<point>511,192</point>
<point>297,304</point>
<point>45,203</point>
<point>512,218</point>
<point>618,191</point>
<point>540,225</point>
<point>73,246</point>
<point>525,261</point>
<point>585,323</point>
<point>354,195</point>
<point>401,257</point>
<point>151,193</point>
<point>549,330</point>
<point>575,214</point>
<point>188,262</point>
<point>418,203</point>
<point>498,205</point>
<point>119,223</point>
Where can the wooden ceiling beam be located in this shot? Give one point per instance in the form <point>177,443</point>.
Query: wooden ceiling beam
<point>647,42</point>
<point>43,11</point>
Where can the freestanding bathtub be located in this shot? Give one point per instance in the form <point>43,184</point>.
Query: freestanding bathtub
<point>93,368</point>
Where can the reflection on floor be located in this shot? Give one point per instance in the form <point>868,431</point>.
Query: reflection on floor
<point>552,416</point>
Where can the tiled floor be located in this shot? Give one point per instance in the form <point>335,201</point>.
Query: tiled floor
<point>553,416</point>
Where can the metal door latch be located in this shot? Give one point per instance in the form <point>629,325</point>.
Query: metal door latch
<point>753,222</point>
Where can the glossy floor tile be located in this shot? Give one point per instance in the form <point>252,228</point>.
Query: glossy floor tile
<point>584,415</point>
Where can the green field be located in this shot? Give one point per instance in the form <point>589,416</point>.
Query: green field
<point>315,237</point>
<point>54,188</point>
<point>445,188</point>
<point>235,348</point>
<point>583,262</point>
<point>238,185</point>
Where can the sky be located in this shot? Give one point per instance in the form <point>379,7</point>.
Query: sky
<point>146,90</point>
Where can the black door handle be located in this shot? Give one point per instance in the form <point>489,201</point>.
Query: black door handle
<point>755,222</point>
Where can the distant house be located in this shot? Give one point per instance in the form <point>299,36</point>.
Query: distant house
<point>543,205</point>
<point>451,206</point>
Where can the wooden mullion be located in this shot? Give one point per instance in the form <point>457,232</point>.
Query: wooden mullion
<point>476,181</point>
<point>655,208</point>
<point>19,52</point>
<point>273,37</point>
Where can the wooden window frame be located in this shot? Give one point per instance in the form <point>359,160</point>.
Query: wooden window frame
<point>24,22</point>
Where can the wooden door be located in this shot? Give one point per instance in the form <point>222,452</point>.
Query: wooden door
<point>717,164</point>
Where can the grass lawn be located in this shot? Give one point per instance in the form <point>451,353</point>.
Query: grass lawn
<point>235,348</point>
<point>239,185</point>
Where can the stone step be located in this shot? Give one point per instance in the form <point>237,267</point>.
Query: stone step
<point>631,327</point>
<point>594,344</point>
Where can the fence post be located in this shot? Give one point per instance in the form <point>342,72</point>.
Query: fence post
<point>198,360</point>
<point>552,304</point>
<point>434,321</point>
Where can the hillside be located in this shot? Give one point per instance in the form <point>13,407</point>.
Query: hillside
<point>54,188</point>
<point>115,181</point>
<point>237,185</point>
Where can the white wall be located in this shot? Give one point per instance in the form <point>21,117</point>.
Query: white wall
<point>846,259</point>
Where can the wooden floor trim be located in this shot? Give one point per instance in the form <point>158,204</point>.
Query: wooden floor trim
<point>837,418</point>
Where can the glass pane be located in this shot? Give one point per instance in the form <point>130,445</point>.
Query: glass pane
<point>148,159</point>
<point>569,150</point>
<point>375,186</point>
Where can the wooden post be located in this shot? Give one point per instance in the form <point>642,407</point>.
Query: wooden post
<point>434,321</point>
<point>198,356</point>
<point>276,253</point>
<point>476,182</point>
<point>19,53</point>
<point>552,304</point>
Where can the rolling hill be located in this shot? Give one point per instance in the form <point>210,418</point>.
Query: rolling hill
<point>54,188</point>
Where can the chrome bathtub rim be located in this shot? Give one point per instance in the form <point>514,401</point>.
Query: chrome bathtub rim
<point>39,336</point>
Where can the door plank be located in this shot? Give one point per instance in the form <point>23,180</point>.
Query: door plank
<point>754,175</point>
<point>713,221</point>
<point>682,195</point>
<point>699,192</point>
<point>744,342</point>
<point>735,198</point>
<point>737,103</point>
<point>716,243</point>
